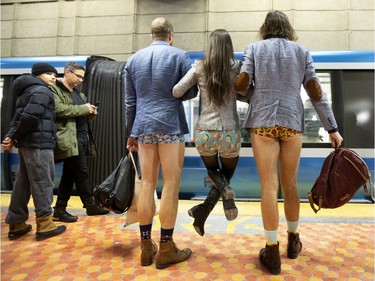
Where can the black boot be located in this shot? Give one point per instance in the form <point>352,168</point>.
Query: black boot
<point>60,213</point>
<point>200,212</point>
<point>227,193</point>
<point>270,258</point>
<point>92,209</point>
<point>95,210</point>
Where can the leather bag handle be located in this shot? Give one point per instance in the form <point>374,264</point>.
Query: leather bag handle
<point>135,166</point>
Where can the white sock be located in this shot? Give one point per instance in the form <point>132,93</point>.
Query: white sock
<point>292,226</point>
<point>271,236</point>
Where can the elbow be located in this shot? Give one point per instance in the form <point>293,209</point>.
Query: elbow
<point>242,82</point>
<point>314,90</point>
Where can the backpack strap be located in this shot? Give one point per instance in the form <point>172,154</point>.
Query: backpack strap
<point>309,195</point>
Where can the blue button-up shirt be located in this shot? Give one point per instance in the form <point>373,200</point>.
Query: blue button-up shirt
<point>150,75</point>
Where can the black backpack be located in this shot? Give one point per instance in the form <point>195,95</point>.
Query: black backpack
<point>342,174</point>
<point>116,192</point>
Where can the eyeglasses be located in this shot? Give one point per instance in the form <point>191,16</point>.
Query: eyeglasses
<point>77,75</point>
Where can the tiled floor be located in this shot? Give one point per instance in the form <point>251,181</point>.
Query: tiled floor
<point>337,245</point>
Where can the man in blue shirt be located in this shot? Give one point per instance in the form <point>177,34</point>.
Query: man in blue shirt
<point>156,125</point>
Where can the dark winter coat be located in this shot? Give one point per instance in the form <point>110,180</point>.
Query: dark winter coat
<point>33,124</point>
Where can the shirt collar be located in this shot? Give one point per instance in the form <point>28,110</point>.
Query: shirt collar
<point>159,42</point>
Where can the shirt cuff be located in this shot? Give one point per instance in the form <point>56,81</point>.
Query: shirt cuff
<point>333,131</point>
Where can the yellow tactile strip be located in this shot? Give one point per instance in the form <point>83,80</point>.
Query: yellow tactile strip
<point>350,210</point>
<point>99,248</point>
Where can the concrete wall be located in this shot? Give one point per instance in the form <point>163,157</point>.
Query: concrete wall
<point>118,28</point>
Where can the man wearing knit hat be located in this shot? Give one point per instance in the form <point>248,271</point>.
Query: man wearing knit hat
<point>32,130</point>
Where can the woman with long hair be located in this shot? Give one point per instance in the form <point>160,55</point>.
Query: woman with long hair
<point>217,135</point>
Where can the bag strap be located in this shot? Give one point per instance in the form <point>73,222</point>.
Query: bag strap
<point>309,195</point>
<point>135,166</point>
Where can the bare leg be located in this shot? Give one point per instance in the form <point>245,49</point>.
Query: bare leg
<point>289,161</point>
<point>171,159</point>
<point>149,161</point>
<point>266,153</point>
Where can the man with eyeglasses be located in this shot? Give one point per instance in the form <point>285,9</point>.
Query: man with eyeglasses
<point>74,142</point>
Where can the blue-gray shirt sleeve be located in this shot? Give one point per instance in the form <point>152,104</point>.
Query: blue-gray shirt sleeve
<point>130,102</point>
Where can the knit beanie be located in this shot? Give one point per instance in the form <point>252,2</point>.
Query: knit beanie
<point>42,67</point>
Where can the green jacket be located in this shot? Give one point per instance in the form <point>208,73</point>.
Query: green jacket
<point>66,134</point>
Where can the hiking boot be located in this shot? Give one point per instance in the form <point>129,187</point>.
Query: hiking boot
<point>270,258</point>
<point>149,250</point>
<point>294,245</point>
<point>95,210</point>
<point>62,215</point>
<point>45,228</point>
<point>169,255</point>
<point>17,230</point>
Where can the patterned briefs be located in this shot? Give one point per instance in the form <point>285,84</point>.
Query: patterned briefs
<point>277,132</point>
<point>161,139</point>
<point>225,143</point>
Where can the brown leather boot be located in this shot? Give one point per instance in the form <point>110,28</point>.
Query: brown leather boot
<point>270,258</point>
<point>294,245</point>
<point>45,228</point>
<point>149,250</point>
<point>17,230</point>
<point>169,254</point>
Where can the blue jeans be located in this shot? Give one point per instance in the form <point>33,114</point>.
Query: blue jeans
<point>34,176</point>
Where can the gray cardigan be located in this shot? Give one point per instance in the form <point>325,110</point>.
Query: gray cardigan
<point>278,68</point>
<point>211,116</point>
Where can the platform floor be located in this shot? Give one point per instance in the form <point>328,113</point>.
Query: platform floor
<point>337,245</point>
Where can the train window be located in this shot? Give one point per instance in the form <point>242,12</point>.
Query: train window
<point>355,106</point>
<point>241,111</point>
<point>314,131</point>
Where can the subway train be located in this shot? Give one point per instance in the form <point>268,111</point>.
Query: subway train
<point>347,78</point>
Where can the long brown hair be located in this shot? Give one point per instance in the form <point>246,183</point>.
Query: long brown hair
<point>277,25</point>
<point>217,65</point>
